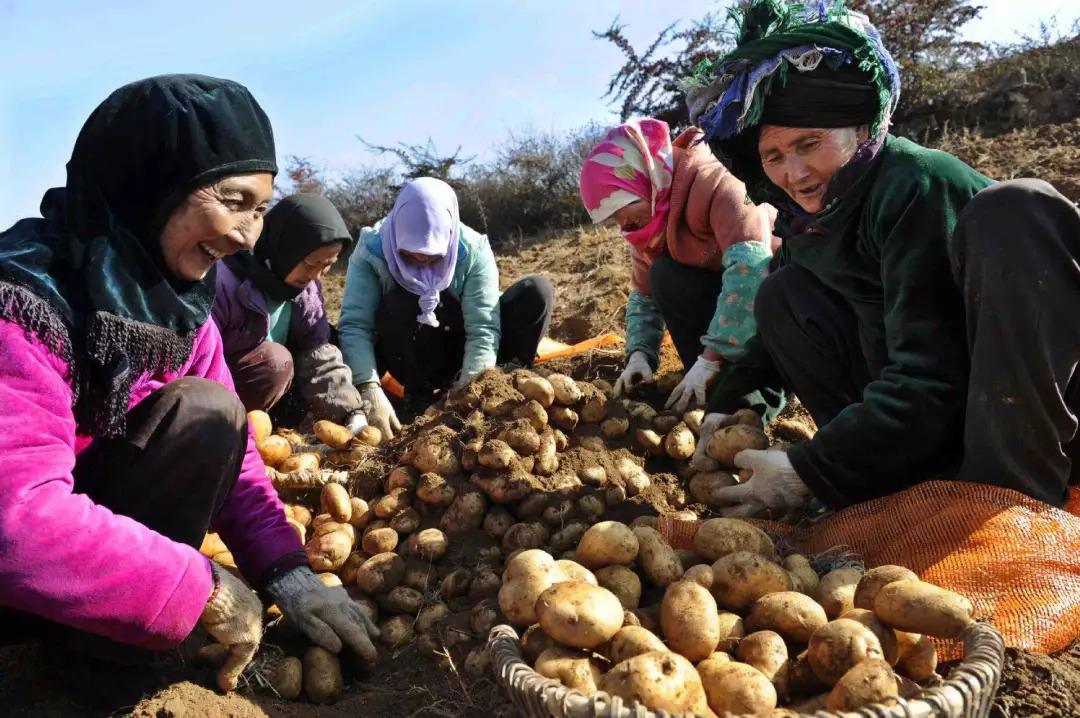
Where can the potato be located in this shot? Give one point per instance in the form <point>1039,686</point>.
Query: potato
<point>923,608</point>
<point>693,419</point>
<point>689,619</point>
<point>836,591</point>
<point>360,514</point>
<point>839,646</point>
<point>301,514</point>
<point>579,614</point>
<point>622,582</point>
<point>465,513</point>
<point>558,513</point>
<point>765,651</point>
<point>406,521</point>
<point>528,575</point>
<point>615,427</point>
<point>703,487</point>
<point>701,574</point>
<point>434,452</point>
<point>522,536</point>
<point>402,599</point>
<point>330,580</point>
<point>630,641</point>
<point>372,526</point>
<point>435,490</point>
<point>877,578</point>
<point>420,575</point>
<point>477,663</point>
<point>689,559</point>
<point>567,392</point>
<point>592,443</point>
<point>799,566</point>
<point>574,669</point>
<point>333,435</point>
<point>287,678</point>
<point>920,661</point>
<point>396,631</point>
<point>388,506</point>
<point>274,450</point>
<point>652,522</point>
<point>608,543</point>
<point>568,537</point>
<point>538,389</point>
<point>716,538</point>
<point>348,530</point>
<point>430,544</point>
<point>659,680</point>
<point>484,584</point>
<point>430,615</point>
<point>534,413</point>
<point>380,573</point>
<point>649,441</point>
<point>322,675</point>
<point>799,680</point>
<point>794,616</point>
<point>380,541</point>
<point>743,577</point>
<point>328,551</point>
<point>736,688</point>
<point>679,443</point>
<point>890,648</point>
<point>402,477</point>
<point>299,462</point>
<point>563,417</point>
<point>866,683</point>
<point>730,440</point>
<point>576,572</point>
<point>657,559</point>
<point>370,436</point>
<point>455,584</point>
<point>483,616</point>
<point>595,409</point>
<point>534,642</point>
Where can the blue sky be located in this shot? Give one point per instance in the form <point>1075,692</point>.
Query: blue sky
<point>464,72</point>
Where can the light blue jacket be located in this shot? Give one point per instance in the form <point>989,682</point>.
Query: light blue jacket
<point>475,285</point>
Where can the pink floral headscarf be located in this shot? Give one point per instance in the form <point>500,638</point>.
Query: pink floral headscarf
<point>633,162</point>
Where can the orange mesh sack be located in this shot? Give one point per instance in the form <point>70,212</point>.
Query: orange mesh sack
<point>1015,558</point>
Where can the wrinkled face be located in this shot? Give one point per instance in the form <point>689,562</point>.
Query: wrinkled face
<point>214,221</point>
<point>314,266</point>
<point>421,260</point>
<point>633,216</point>
<point>802,161</point>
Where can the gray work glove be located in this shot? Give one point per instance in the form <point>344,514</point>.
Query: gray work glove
<point>378,410</point>
<point>233,616</point>
<point>327,616</point>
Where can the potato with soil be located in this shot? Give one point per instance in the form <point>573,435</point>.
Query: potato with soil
<point>261,427</point>
<point>435,452</point>
<point>402,599</point>
<point>430,544</point>
<point>287,678</point>
<point>389,505</point>
<point>455,584</point>
<point>528,575</point>
<point>420,575</point>
<point>563,417</point>
<point>622,582</point>
<point>890,647</point>
<point>534,642</point>
<point>704,485</point>
<point>522,536</point>
<point>299,462</point>
<point>630,641</point>
<point>466,512</point>
<point>574,669</point>
<point>322,676</point>
<point>380,573</point>
<point>274,450</point>
<point>730,440</point>
<point>839,646</point>
<point>579,614</point>
<point>402,477</point>
<point>689,619</point>
<point>795,616</point>
<point>596,407</point>
<point>868,682</point>
<point>576,572</point>
<point>693,419</point>
<point>484,583</point>
<point>877,578</point>
<point>405,522</point>
<point>799,567</point>
<point>396,631</point>
<point>380,541</point>
<point>658,560</point>
<point>370,436</point>
<point>567,392</point>
<point>533,412</point>
<point>497,522</point>
<point>608,543</point>
<point>716,538</point>
<point>483,616</point>
<point>328,551</point>
<point>660,680</point>
<point>836,591</point>
<point>649,441</point>
<point>743,577</point>
<point>537,389</point>
<point>920,661</point>
<point>615,427</point>
<point>679,443</point>
<point>765,651</point>
<point>334,500</point>
<point>736,688</point>
<point>521,437</point>
<point>333,435</point>
<point>567,538</point>
<point>923,608</point>
<point>701,573</point>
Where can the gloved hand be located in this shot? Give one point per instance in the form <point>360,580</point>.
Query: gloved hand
<point>233,616</point>
<point>773,484</point>
<point>701,460</point>
<point>327,616</point>
<point>356,422</point>
<point>692,387</point>
<point>637,371</point>
<point>379,412</point>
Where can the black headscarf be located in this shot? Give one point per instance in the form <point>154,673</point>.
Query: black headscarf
<point>293,228</point>
<point>89,279</point>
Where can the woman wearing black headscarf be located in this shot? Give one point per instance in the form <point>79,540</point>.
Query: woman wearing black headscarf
<point>121,440</point>
<point>269,308</point>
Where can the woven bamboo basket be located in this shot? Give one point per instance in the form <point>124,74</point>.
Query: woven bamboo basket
<point>967,693</point>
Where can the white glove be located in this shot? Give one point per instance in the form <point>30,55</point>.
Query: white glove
<point>378,410</point>
<point>326,615</point>
<point>233,616</point>
<point>637,371</point>
<point>692,387</point>
<point>701,460</point>
<point>356,422</point>
<point>773,484</point>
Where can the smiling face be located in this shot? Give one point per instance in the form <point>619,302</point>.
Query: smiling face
<point>802,161</point>
<point>314,266</point>
<point>214,221</point>
<point>633,216</point>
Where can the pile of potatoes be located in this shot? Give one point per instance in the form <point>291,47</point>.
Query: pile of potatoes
<point>729,627</point>
<point>294,461</point>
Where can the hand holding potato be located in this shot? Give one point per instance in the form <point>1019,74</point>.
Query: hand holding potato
<point>326,615</point>
<point>702,461</point>
<point>233,616</point>
<point>637,371</point>
<point>773,483</point>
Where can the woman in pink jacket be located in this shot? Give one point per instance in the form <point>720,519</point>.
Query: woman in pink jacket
<point>699,248</point>
<point>121,438</point>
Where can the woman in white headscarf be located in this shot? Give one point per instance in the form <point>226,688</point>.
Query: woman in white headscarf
<point>422,302</point>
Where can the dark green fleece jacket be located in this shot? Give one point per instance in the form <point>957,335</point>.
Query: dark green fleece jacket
<point>885,249</point>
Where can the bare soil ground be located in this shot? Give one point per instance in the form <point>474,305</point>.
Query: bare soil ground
<point>591,271</point>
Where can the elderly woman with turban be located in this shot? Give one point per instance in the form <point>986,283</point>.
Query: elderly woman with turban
<point>699,250</point>
<point>924,314</point>
<point>422,302</point>
<point>121,439</point>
